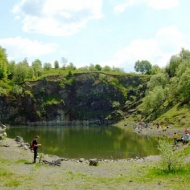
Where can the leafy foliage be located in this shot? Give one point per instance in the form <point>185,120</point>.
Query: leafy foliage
<point>22,71</point>
<point>170,160</point>
<point>153,100</point>
<point>184,85</point>
<point>3,63</point>
<point>17,90</point>
<point>166,88</point>
<point>160,79</point>
<point>37,68</point>
<point>143,67</point>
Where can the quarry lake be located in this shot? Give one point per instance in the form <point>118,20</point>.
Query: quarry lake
<point>88,142</point>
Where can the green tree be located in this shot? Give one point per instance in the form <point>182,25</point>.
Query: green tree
<point>177,61</point>
<point>3,63</point>
<point>160,79</point>
<point>47,66</point>
<point>184,54</point>
<point>11,68</point>
<point>143,67</point>
<point>173,65</point>
<point>106,68</point>
<point>153,100</point>
<point>56,64</point>
<point>118,70</point>
<point>37,68</point>
<point>182,68</point>
<point>156,69</point>
<point>98,67</point>
<point>22,72</point>
<point>71,66</point>
<point>92,67</point>
<point>184,85</point>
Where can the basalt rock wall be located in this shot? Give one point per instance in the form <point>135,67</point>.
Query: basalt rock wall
<point>78,97</point>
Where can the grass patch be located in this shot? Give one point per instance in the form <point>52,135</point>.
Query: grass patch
<point>179,117</point>
<point>8,178</point>
<point>13,183</point>
<point>186,150</point>
<point>21,161</point>
<point>172,179</point>
<point>3,161</point>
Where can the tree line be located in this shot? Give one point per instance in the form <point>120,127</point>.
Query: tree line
<point>166,86</point>
<point>22,71</point>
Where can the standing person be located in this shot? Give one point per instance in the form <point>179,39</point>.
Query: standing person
<point>158,125</point>
<point>187,131</point>
<point>185,138</point>
<point>175,137</point>
<point>35,145</point>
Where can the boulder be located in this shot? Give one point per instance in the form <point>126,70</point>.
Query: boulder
<point>19,139</point>
<point>2,128</point>
<point>81,160</point>
<point>57,162</point>
<point>93,162</point>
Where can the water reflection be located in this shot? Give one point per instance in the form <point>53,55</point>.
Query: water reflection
<point>88,142</point>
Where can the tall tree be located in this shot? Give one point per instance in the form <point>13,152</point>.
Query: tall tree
<point>47,66</point>
<point>143,67</point>
<point>11,68</point>
<point>20,72</point>
<point>173,65</point>
<point>37,67</point>
<point>3,63</point>
<point>71,66</point>
<point>91,67</point>
<point>156,69</point>
<point>106,68</point>
<point>184,85</point>
<point>98,67</point>
<point>184,54</point>
<point>160,79</point>
<point>177,61</point>
<point>56,64</point>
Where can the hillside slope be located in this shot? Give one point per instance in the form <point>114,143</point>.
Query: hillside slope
<point>92,97</point>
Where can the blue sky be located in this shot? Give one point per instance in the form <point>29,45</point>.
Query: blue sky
<point>106,32</point>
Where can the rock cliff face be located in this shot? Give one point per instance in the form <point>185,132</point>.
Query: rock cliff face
<point>78,97</point>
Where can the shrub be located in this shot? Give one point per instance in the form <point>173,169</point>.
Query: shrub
<point>171,160</point>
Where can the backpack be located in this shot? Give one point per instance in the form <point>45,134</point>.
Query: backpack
<point>32,145</point>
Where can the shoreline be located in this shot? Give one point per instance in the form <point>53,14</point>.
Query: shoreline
<point>144,131</point>
<point>10,143</point>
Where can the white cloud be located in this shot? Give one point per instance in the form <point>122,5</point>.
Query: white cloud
<point>58,17</point>
<point>158,50</point>
<point>154,4</point>
<point>19,48</point>
<point>162,4</point>
<point>120,8</point>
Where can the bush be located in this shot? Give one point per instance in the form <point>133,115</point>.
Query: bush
<point>171,160</point>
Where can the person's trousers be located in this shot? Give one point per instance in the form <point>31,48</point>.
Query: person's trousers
<point>35,155</point>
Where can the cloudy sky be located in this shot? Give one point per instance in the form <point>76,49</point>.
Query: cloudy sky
<point>106,32</point>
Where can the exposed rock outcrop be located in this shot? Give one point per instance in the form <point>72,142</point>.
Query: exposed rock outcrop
<point>84,97</point>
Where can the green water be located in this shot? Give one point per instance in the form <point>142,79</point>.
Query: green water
<point>88,142</point>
